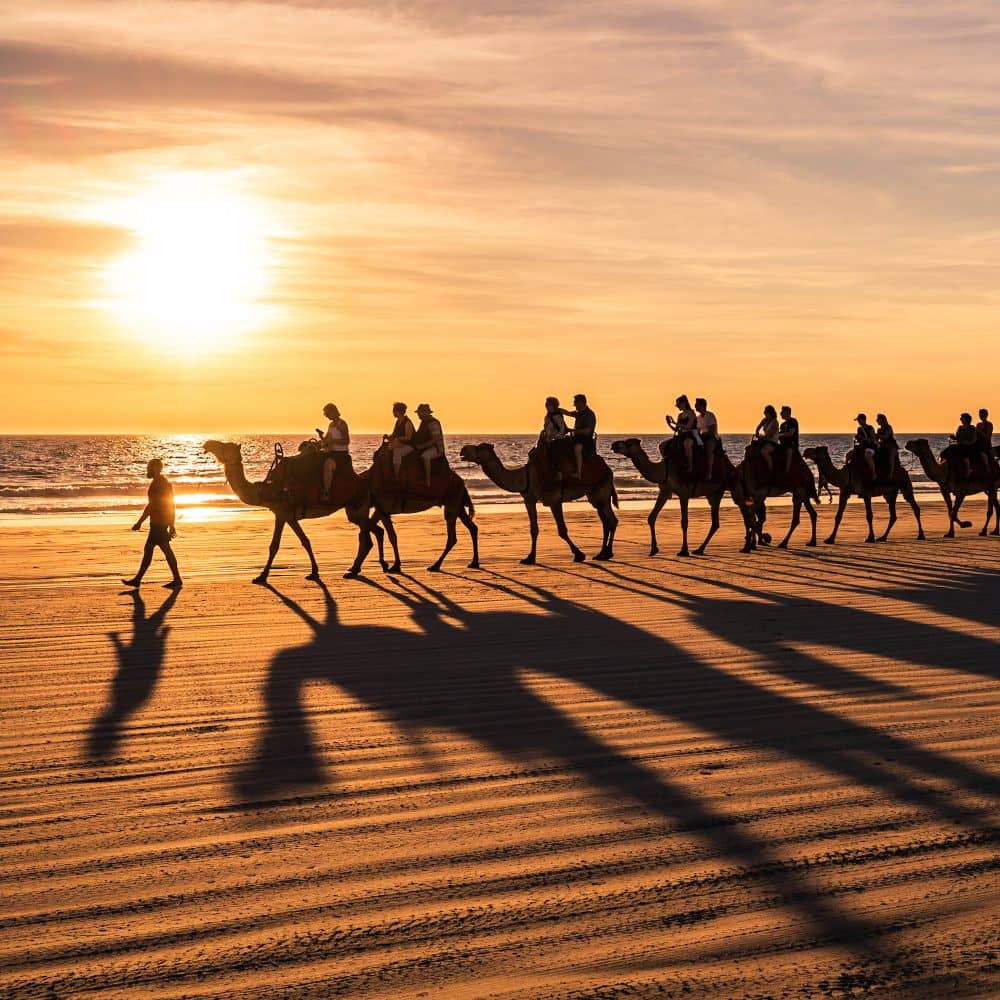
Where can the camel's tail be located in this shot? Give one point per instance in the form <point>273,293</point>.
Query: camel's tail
<point>467,502</point>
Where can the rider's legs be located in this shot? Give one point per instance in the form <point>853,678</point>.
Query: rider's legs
<point>767,453</point>
<point>870,459</point>
<point>329,467</point>
<point>689,453</point>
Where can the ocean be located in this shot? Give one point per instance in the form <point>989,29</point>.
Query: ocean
<point>100,474</point>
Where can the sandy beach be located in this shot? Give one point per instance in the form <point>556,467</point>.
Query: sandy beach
<point>739,776</point>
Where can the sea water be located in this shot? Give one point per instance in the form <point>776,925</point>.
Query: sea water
<point>60,474</point>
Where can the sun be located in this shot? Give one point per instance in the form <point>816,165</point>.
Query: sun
<point>196,278</point>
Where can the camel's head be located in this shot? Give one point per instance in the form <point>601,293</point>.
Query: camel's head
<point>477,453</point>
<point>917,445</point>
<point>626,447</point>
<point>818,451</point>
<point>225,452</point>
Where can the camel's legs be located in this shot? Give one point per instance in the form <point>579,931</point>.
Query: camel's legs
<point>366,526</point>
<point>811,511</point>
<point>796,517</point>
<point>915,507</point>
<point>956,506</point>
<point>531,506</point>
<point>473,529</point>
<point>890,499</point>
<point>714,526</point>
<point>684,524</point>
<point>557,516</point>
<point>450,519</point>
<point>307,545</point>
<point>651,521</point>
<point>990,503</point>
<point>869,517</point>
<point>279,527</point>
<point>996,511</point>
<point>750,528</point>
<point>609,524</point>
<point>950,533</point>
<point>390,530</point>
<point>838,517</point>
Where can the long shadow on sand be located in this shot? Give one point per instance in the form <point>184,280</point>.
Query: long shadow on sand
<point>139,663</point>
<point>462,672</point>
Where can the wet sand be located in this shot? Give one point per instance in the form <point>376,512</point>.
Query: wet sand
<point>763,776</point>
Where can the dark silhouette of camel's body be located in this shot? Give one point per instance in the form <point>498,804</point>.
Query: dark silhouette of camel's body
<point>955,487</point>
<point>851,481</point>
<point>754,482</point>
<point>535,488</point>
<point>672,477</point>
<point>354,499</point>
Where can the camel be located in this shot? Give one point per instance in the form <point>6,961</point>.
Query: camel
<point>850,482</point>
<point>355,503</point>
<point>951,484</point>
<point>673,479</point>
<point>753,484</point>
<point>447,490</point>
<point>526,481</point>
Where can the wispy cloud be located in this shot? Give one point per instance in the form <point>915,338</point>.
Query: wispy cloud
<point>498,180</point>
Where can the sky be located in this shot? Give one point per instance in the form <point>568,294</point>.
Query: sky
<point>219,215</point>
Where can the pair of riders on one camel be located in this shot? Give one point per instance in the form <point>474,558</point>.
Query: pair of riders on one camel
<point>876,447</point>
<point>973,444</point>
<point>426,441</point>
<point>696,429</point>
<point>561,444</point>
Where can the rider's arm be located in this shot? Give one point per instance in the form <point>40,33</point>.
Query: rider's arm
<point>345,432</point>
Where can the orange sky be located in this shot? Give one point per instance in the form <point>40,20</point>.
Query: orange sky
<point>481,204</point>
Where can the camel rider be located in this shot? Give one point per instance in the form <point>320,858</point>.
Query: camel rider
<point>966,443</point>
<point>428,441</point>
<point>707,427</point>
<point>584,435</point>
<point>400,438</point>
<point>984,434</point>
<point>685,428</point>
<point>788,436</point>
<point>887,444</point>
<point>767,433</point>
<point>335,446</point>
<point>554,425</point>
<point>865,442</point>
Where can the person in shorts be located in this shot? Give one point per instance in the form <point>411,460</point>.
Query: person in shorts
<point>160,512</point>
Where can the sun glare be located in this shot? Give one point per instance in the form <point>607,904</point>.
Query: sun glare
<point>196,278</point>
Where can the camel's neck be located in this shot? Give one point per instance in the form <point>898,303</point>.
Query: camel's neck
<point>248,492</point>
<point>833,475</point>
<point>933,469</point>
<point>511,480</point>
<point>655,472</point>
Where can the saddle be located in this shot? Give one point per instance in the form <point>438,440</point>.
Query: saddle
<point>777,478</point>
<point>558,458</point>
<point>299,479</point>
<point>672,452</point>
<point>411,480</point>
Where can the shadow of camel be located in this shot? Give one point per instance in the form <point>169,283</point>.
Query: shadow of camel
<point>139,663</point>
<point>462,672</point>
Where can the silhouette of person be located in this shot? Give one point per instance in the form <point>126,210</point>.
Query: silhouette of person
<point>335,446</point>
<point>160,511</point>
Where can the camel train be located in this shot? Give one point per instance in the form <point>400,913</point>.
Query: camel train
<point>410,473</point>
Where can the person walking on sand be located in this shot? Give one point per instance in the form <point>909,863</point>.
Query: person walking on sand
<point>160,511</point>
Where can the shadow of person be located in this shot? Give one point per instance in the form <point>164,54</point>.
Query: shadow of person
<point>463,671</point>
<point>139,663</point>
